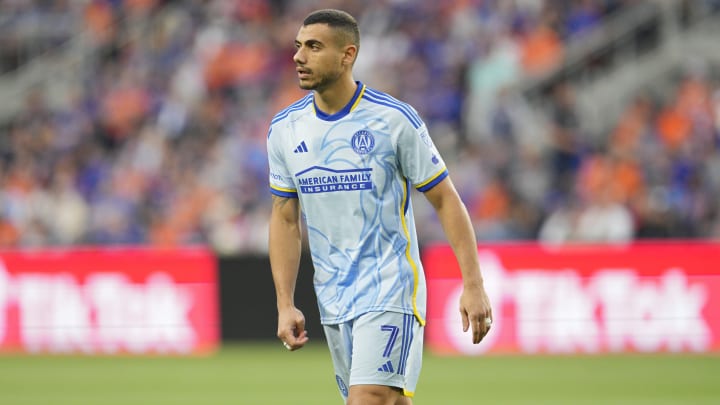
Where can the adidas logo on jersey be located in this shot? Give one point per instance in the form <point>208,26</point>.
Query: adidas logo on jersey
<point>387,367</point>
<point>301,148</point>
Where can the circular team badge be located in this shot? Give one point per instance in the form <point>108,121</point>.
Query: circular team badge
<point>341,385</point>
<point>363,142</point>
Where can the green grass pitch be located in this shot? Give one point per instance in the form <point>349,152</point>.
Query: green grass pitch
<point>266,374</point>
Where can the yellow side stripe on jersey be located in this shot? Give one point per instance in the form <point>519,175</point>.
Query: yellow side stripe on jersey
<point>357,101</point>
<point>409,256</point>
<point>430,180</point>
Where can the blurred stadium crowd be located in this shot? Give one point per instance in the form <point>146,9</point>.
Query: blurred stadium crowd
<point>162,139</point>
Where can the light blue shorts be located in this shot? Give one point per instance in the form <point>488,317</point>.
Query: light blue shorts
<point>380,348</point>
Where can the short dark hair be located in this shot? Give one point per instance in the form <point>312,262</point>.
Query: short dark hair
<point>337,19</point>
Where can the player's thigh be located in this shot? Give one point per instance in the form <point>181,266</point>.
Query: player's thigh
<point>367,394</point>
<point>387,351</point>
<point>377,349</point>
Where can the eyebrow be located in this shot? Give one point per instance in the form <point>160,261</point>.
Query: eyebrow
<point>309,42</point>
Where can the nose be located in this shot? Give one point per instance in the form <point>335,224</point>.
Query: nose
<point>299,56</point>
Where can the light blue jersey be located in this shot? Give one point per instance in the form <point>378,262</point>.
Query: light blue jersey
<point>352,172</point>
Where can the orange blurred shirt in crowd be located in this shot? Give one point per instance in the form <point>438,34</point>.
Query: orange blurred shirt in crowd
<point>621,179</point>
<point>123,108</point>
<point>184,217</point>
<point>541,50</point>
<point>236,63</point>
<point>9,234</point>
<point>635,119</point>
<point>692,100</point>
<point>99,21</point>
<point>492,204</point>
<point>674,127</point>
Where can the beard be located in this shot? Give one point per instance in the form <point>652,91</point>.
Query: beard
<point>320,82</point>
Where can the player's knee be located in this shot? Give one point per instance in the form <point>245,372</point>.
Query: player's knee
<point>373,395</point>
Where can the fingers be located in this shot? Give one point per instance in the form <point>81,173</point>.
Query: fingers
<point>479,324</point>
<point>484,325</point>
<point>291,329</point>
<point>294,338</point>
<point>477,331</point>
<point>292,342</point>
<point>481,327</point>
<point>465,320</point>
<point>476,312</point>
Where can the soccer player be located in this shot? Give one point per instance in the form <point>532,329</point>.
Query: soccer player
<point>343,158</point>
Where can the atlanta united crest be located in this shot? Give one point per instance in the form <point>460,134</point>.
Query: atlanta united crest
<point>363,142</point>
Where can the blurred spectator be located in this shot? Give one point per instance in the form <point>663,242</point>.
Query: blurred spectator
<point>542,48</point>
<point>565,147</point>
<point>560,226</point>
<point>583,16</point>
<point>604,220</point>
<point>600,220</point>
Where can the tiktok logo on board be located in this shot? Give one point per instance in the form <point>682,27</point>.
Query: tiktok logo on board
<point>564,311</point>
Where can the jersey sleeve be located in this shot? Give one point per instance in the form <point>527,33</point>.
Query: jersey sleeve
<point>281,181</point>
<point>420,161</point>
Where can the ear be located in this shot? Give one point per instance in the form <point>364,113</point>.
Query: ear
<point>350,55</point>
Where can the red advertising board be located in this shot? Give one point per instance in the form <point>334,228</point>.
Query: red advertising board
<point>109,301</point>
<point>644,297</point>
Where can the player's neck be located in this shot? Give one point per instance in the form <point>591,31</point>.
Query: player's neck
<point>335,97</point>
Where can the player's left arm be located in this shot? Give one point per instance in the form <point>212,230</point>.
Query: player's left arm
<point>455,221</point>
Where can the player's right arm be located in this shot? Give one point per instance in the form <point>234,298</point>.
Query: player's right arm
<point>285,247</point>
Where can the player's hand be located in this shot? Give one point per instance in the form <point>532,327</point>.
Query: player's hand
<point>291,328</point>
<point>475,311</point>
